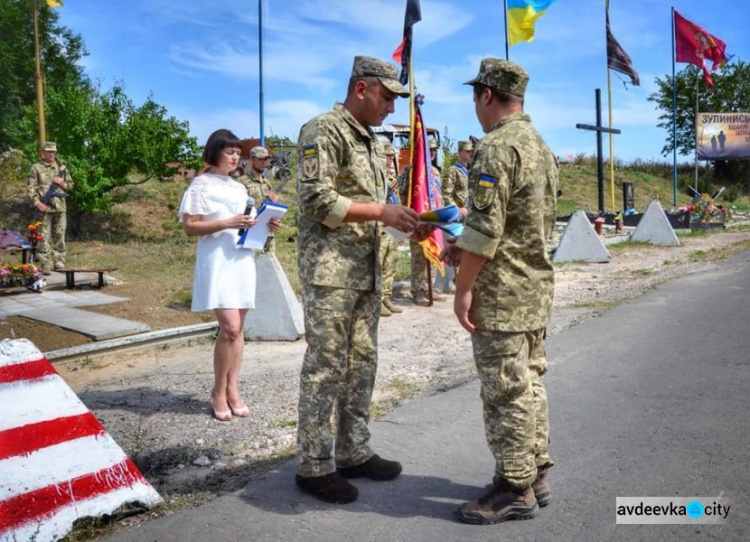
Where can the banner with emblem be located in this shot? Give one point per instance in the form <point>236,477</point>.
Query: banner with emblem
<point>422,193</point>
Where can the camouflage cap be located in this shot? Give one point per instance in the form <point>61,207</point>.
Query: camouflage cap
<point>49,146</point>
<point>465,146</point>
<point>366,66</point>
<point>259,152</point>
<point>502,75</point>
<point>389,151</point>
<point>432,143</point>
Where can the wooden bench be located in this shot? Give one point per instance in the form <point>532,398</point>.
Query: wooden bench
<point>70,274</point>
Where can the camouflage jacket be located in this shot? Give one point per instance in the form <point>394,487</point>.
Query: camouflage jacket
<point>256,188</point>
<point>455,186</point>
<point>340,161</point>
<point>513,181</point>
<point>39,181</point>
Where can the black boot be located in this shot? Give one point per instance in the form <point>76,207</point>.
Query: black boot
<point>329,488</point>
<point>375,468</point>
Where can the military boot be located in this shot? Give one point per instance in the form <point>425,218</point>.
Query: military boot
<point>421,299</point>
<point>439,298</point>
<point>375,468</point>
<point>541,488</point>
<point>391,306</point>
<point>502,502</point>
<point>331,488</point>
<point>384,310</point>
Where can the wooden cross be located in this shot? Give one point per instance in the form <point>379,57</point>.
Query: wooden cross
<point>599,129</point>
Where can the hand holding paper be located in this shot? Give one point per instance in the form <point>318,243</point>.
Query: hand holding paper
<point>447,219</point>
<point>255,237</point>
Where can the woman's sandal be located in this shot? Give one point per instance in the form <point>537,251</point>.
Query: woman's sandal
<point>242,412</point>
<point>221,415</point>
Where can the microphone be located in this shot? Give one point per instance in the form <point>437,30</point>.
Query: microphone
<point>248,210</point>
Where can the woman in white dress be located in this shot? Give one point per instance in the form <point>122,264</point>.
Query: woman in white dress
<point>213,209</point>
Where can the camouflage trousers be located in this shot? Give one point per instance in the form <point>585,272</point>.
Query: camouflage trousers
<point>419,265</point>
<point>511,366</point>
<point>338,369</point>
<point>388,262</point>
<point>51,251</point>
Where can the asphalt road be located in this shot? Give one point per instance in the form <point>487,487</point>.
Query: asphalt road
<point>650,399</point>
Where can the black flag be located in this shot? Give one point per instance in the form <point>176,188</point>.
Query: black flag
<point>402,54</point>
<point>617,58</point>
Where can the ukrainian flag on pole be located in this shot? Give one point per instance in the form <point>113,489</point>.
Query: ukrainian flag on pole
<point>55,3</point>
<point>522,15</point>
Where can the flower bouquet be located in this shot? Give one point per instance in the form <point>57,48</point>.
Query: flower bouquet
<point>21,275</point>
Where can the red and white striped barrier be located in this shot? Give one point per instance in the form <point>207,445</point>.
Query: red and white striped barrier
<point>57,462</point>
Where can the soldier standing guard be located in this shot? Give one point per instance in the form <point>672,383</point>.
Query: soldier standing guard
<point>46,189</point>
<point>388,245</point>
<point>419,262</point>
<point>341,195</point>
<point>456,180</point>
<point>258,186</point>
<point>504,290</point>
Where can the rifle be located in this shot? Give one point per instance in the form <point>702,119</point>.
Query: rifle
<point>54,190</point>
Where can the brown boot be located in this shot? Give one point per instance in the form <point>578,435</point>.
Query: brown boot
<point>439,298</point>
<point>384,310</point>
<point>391,306</point>
<point>541,488</point>
<point>502,503</point>
<point>421,299</point>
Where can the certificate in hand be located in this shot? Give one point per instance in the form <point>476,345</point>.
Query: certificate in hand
<point>255,237</point>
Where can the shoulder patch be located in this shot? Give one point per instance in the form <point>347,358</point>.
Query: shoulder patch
<point>310,162</point>
<point>485,193</point>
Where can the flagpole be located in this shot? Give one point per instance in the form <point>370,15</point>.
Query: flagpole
<point>260,71</point>
<point>412,131</point>
<point>39,83</point>
<point>695,151</point>
<point>674,119</point>
<point>611,138</point>
<point>505,19</point>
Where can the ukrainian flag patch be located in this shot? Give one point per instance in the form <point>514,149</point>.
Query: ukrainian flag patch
<point>486,181</point>
<point>309,150</point>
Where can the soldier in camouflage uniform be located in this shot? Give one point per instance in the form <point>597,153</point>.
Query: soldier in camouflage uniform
<point>341,194</point>
<point>258,186</point>
<point>48,178</point>
<point>419,262</point>
<point>504,290</point>
<point>456,180</point>
<point>388,245</point>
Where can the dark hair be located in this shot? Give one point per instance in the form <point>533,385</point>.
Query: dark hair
<point>503,98</point>
<point>217,142</point>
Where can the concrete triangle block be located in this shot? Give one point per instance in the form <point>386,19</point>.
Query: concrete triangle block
<point>58,464</point>
<point>278,315</point>
<point>655,228</point>
<point>580,243</point>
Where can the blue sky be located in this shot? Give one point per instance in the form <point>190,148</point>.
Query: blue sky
<point>199,58</point>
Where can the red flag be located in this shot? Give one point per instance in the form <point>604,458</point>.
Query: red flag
<point>423,193</point>
<point>402,54</point>
<point>696,46</point>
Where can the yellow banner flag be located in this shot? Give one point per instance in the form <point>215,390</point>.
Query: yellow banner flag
<point>55,3</point>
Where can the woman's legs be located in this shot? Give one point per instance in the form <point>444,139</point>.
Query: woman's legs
<point>227,361</point>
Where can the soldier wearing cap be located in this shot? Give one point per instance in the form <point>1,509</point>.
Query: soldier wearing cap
<point>388,245</point>
<point>46,188</point>
<point>419,262</point>
<point>341,193</point>
<point>456,180</point>
<point>258,186</point>
<point>504,290</point>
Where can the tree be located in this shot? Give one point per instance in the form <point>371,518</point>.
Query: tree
<point>108,142</point>
<point>731,92</point>
<point>61,51</point>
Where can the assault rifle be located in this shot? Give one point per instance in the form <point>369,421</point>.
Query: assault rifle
<point>54,190</point>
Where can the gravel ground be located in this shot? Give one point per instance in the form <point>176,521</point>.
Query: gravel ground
<point>156,404</point>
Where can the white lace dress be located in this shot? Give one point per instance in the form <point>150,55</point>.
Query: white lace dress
<point>224,274</point>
